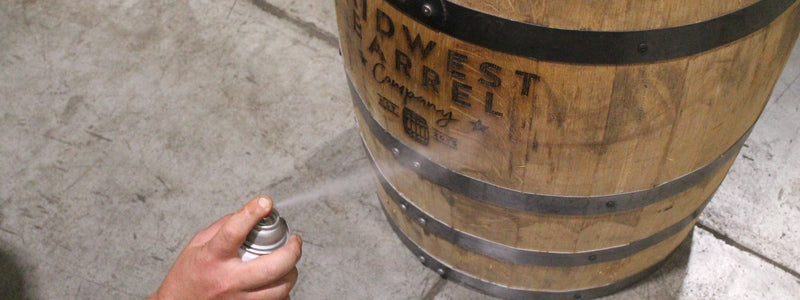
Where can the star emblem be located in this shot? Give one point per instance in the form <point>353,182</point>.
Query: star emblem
<point>478,126</point>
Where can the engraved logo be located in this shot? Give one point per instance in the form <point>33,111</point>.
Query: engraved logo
<point>388,105</point>
<point>445,139</point>
<point>415,126</point>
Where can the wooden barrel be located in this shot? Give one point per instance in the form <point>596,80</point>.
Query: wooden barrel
<point>556,148</point>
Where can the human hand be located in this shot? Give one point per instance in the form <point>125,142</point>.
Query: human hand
<point>210,267</point>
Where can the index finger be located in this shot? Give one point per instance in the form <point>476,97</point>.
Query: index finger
<point>233,232</point>
<point>205,235</point>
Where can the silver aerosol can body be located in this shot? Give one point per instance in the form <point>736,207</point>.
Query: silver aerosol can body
<point>268,235</point>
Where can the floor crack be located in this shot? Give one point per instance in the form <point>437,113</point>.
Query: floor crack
<point>435,289</point>
<point>721,236</point>
<point>309,27</point>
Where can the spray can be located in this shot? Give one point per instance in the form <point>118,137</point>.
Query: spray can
<point>268,235</point>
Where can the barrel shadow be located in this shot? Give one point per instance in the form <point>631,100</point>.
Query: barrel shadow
<point>13,283</point>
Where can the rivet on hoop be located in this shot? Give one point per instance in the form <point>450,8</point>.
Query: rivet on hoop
<point>396,151</point>
<point>643,47</point>
<point>611,205</point>
<point>428,10</point>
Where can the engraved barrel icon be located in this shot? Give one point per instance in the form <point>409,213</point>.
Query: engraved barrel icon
<point>556,149</point>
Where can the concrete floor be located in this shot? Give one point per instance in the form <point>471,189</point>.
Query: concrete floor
<point>129,125</point>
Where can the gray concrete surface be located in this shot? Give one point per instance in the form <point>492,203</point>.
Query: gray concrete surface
<point>126,126</point>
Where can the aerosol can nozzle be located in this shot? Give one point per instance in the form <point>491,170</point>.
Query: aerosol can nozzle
<point>268,235</point>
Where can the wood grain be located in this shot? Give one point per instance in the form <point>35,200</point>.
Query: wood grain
<point>577,129</point>
<point>526,276</point>
<point>542,232</point>
<point>557,128</point>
